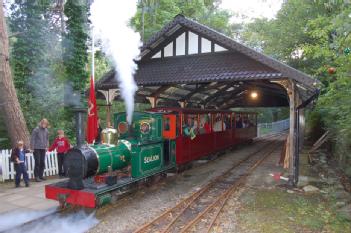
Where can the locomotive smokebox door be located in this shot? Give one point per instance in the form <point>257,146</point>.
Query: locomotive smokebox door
<point>75,168</point>
<point>81,163</point>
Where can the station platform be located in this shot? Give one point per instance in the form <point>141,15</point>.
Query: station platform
<point>25,198</point>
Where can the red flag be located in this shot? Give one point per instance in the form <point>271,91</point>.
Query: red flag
<point>92,122</point>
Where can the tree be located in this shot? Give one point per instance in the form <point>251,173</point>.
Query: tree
<point>36,61</point>
<point>15,122</point>
<point>75,59</point>
<point>152,15</point>
<point>75,43</point>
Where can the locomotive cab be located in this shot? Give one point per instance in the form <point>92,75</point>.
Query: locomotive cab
<point>151,149</point>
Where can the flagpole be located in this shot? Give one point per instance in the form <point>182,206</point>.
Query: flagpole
<point>92,55</point>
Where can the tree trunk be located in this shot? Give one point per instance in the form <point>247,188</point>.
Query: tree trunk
<point>13,116</point>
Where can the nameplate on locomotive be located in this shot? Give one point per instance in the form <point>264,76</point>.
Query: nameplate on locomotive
<point>149,159</point>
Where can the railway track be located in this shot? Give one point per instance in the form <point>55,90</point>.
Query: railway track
<point>201,209</point>
<point>218,191</point>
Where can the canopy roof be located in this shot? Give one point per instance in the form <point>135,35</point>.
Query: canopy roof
<point>187,61</point>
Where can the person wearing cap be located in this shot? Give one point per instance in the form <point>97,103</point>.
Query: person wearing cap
<point>18,156</point>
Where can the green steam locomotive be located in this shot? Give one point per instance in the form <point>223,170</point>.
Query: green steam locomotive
<point>94,171</point>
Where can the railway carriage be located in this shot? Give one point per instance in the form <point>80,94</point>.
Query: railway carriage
<point>157,141</point>
<point>213,130</point>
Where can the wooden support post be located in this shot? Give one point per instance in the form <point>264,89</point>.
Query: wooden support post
<point>153,101</point>
<point>297,123</point>
<point>302,128</point>
<point>296,131</point>
<point>109,95</point>
<point>182,104</point>
<point>291,143</point>
<point>291,149</point>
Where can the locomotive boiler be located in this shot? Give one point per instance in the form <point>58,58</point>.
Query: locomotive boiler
<point>91,160</point>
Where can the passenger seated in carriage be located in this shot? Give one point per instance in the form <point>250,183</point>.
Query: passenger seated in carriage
<point>239,123</point>
<point>205,126</point>
<point>217,126</point>
<point>227,122</point>
<point>246,123</point>
<point>188,128</point>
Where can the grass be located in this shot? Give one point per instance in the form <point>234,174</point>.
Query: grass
<point>278,211</point>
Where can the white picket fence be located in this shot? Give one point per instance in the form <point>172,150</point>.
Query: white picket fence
<point>273,127</point>
<point>8,171</point>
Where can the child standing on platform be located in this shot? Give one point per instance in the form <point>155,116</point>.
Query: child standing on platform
<point>18,156</point>
<point>62,145</point>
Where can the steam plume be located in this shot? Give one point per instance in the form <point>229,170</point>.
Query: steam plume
<point>110,20</point>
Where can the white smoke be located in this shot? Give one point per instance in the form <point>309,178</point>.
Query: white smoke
<point>110,19</point>
<point>71,223</point>
<point>7,219</point>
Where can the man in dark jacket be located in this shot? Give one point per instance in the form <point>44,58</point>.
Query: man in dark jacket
<point>18,156</point>
<point>39,143</point>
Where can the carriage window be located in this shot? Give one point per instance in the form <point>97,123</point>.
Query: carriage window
<point>245,121</point>
<point>205,124</point>
<point>166,124</point>
<point>227,121</point>
<point>239,122</point>
<point>252,120</point>
<point>217,122</point>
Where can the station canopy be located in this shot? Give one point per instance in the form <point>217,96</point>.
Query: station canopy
<point>187,62</point>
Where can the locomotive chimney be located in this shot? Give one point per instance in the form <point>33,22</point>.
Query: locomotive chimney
<point>79,118</point>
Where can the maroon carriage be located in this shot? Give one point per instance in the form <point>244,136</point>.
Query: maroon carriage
<point>200,132</point>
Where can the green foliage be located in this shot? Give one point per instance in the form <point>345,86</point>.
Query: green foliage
<point>314,128</point>
<point>75,56</point>
<point>334,107</point>
<point>157,13</point>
